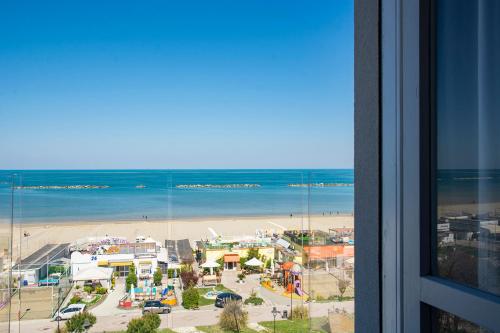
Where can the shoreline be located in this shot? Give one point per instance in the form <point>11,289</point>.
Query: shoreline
<point>63,222</point>
<point>160,230</point>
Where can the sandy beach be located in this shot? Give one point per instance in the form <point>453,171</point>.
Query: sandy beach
<point>193,229</point>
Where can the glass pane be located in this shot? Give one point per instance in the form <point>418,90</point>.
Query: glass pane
<point>445,322</point>
<point>468,159</point>
<point>328,245</point>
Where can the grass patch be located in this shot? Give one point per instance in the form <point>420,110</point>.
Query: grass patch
<point>217,329</point>
<point>202,291</point>
<point>318,325</point>
<point>160,330</point>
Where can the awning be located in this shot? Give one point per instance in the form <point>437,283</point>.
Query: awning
<point>145,262</point>
<point>120,263</point>
<point>232,258</point>
<point>102,263</point>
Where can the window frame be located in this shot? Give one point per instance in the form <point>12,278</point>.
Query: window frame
<point>408,288</point>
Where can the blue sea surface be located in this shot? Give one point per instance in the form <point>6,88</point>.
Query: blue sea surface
<point>134,194</point>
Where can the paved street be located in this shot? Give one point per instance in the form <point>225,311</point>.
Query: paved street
<point>179,318</point>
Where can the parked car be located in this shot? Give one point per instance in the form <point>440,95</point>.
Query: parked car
<point>223,298</point>
<point>155,307</point>
<point>69,311</point>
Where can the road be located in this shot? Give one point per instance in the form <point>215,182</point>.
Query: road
<point>179,317</point>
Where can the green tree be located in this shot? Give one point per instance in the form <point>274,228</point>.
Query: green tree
<point>76,323</point>
<point>131,278</point>
<point>253,253</point>
<point>233,317</point>
<point>157,276</point>
<point>190,298</point>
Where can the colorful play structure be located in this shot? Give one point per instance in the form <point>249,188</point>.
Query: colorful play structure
<point>292,278</point>
<point>137,294</point>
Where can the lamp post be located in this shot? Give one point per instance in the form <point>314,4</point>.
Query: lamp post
<point>275,312</point>
<point>86,325</point>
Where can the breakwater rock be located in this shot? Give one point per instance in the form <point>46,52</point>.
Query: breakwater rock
<point>217,185</point>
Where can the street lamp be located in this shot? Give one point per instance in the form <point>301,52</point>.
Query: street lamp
<point>275,312</point>
<point>86,324</point>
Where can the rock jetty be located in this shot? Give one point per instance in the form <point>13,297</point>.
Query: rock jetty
<point>322,185</point>
<point>217,185</point>
<point>61,187</point>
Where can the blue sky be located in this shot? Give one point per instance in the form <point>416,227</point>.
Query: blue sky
<point>176,84</point>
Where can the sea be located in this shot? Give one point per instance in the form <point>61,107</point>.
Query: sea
<point>41,196</point>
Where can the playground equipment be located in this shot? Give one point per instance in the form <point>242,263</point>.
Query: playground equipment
<point>292,278</point>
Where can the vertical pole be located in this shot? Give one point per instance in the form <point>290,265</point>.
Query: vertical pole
<point>9,288</point>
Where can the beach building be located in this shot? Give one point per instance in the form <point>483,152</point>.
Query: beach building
<point>318,248</point>
<point>36,266</point>
<point>145,255</point>
<point>180,251</point>
<point>230,251</point>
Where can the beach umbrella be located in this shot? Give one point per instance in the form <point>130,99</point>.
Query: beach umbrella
<point>132,292</point>
<point>254,262</point>
<point>211,265</point>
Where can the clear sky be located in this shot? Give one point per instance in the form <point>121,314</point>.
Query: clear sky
<point>176,84</point>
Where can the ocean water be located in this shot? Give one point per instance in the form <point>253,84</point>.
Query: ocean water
<point>57,196</point>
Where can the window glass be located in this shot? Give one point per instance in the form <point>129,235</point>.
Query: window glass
<point>468,141</point>
<point>446,322</point>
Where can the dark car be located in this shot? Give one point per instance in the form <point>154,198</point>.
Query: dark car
<point>223,298</point>
<point>155,307</point>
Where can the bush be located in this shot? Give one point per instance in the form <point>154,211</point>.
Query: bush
<point>77,287</point>
<point>146,324</point>
<point>101,290</point>
<point>76,323</point>
<point>139,325</point>
<point>131,278</point>
<point>190,298</point>
<point>189,279</point>
<point>75,299</point>
<point>254,300</point>
<point>157,277</point>
<point>300,312</point>
<point>152,319</point>
<point>88,289</point>
<point>233,317</point>
<point>241,276</point>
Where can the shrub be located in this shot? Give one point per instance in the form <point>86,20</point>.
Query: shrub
<point>189,278</point>
<point>190,298</point>
<point>77,287</point>
<point>300,312</point>
<point>241,276</point>
<point>146,324</point>
<point>76,323</point>
<point>152,319</point>
<point>157,276</point>
<point>254,300</point>
<point>75,299</point>
<point>88,289</point>
<point>101,290</point>
<point>233,317</point>
<point>131,278</point>
<point>139,325</point>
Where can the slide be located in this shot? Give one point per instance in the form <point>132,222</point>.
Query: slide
<point>299,291</point>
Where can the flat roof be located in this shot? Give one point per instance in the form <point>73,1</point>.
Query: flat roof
<point>40,257</point>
